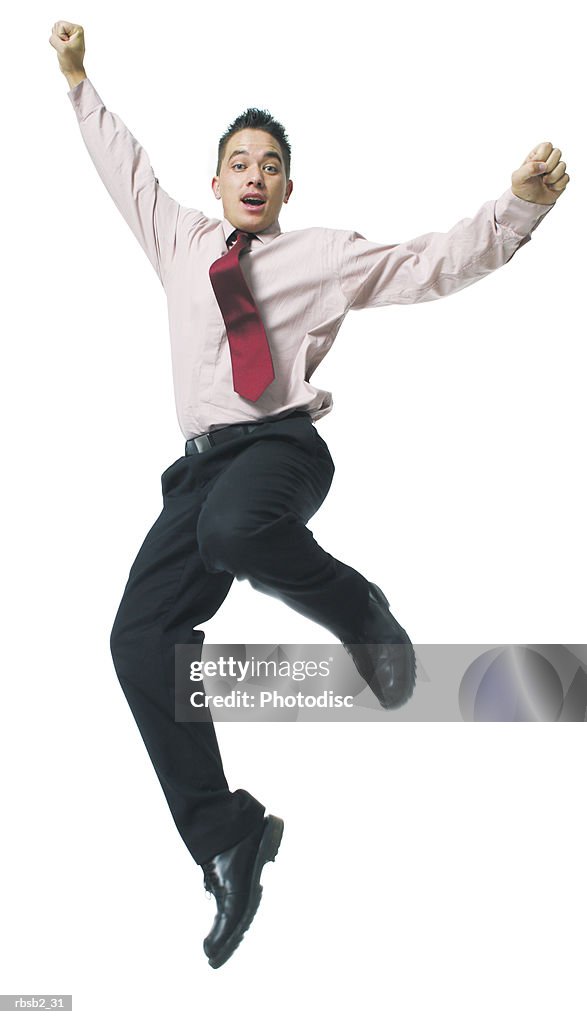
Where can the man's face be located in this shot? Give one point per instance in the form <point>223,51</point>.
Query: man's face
<point>252,165</point>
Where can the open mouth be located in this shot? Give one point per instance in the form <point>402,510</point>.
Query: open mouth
<point>254,204</point>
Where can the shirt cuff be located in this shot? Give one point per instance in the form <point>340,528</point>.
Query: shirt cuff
<point>84,98</point>
<point>518,214</point>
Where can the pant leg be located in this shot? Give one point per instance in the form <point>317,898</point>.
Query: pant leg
<point>253,525</point>
<point>168,592</point>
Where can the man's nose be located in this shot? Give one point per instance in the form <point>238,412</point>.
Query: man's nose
<point>255,176</point>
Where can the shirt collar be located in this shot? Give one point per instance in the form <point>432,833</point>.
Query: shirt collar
<point>264,236</point>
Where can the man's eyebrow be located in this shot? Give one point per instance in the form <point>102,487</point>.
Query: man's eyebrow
<point>245,152</point>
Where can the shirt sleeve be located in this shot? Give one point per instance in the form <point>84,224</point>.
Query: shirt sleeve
<point>125,169</point>
<point>439,263</point>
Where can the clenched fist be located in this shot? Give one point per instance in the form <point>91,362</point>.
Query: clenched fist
<point>68,40</point>
<point>541,178</point>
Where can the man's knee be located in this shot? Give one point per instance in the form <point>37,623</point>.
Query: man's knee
<point>130,638</point>
<point>120,640</point>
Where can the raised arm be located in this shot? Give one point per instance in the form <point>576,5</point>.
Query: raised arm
<point>121,162</point>
<point>440,263</point>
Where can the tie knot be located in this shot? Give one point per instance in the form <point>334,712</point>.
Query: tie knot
<point>240,236</point>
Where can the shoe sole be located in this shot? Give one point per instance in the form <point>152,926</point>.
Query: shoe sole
<point>268,847</point>
<point>371,684</point>
<point>391,707</point>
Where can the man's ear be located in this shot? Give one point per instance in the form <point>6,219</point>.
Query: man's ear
<point>288,190</point>
<point>216,187</point>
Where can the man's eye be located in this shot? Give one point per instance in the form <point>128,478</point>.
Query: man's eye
<point>270,166</point>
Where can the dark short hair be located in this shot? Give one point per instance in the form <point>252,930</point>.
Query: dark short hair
<point>262,119</point>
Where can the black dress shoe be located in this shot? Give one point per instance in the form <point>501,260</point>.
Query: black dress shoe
<point>383,653</point>
<point>233,877</point>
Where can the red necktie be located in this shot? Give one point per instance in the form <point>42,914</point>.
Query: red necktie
<point>252,368</point>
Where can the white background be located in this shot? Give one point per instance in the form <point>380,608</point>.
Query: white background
<point>426,871</point>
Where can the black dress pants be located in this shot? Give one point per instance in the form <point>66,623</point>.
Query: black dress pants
<point>237,510</point>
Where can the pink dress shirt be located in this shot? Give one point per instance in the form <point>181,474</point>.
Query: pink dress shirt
<point>304,282</point>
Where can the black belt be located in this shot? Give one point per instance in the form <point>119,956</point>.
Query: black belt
<point>204,442</point>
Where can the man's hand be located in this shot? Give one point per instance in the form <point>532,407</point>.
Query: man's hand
<point>541,178</point>
<point>68,40</point>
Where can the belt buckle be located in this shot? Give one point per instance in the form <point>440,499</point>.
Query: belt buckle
<point>203,443</point>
